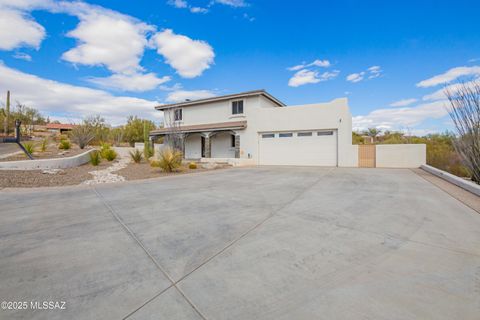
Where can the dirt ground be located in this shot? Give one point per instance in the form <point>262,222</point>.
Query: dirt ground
<point>135,171</point>
<point>75,176</point>
<point>51,152</point>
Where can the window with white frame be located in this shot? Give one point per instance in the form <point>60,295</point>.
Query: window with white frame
<point>325,133</point>
<point>237,107</point>
<point>177,115</point>
<point>285,135</point>
<point>304,134</point>
<point>268,135</point>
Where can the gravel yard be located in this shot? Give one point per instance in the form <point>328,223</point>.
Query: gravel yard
<point>81,174</point>
<point>37,178</point>
<point>51,152</point>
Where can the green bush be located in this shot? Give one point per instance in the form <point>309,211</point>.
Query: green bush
<point>192,165</point>
<point>169,160</point>
<point>29,146</point>
<point>104,148</point>
<point>44,145</point>
<point>109,154</point>
<point>136,156</point>
<point>64,145</point>
<point>95,158</point>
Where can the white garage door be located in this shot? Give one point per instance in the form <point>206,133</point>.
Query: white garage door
<point>304,148</point>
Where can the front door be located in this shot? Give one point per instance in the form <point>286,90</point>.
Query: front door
<point>203,146</point>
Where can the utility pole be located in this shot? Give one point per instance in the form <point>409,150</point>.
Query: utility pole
<point>7,115</point>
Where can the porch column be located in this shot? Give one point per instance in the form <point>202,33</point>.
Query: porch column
<point>237,146</point>
<point>208,144</point>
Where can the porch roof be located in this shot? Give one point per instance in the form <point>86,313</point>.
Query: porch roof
<point>208,127</point>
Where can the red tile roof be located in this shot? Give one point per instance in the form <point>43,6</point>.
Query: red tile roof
<point>64,126</point>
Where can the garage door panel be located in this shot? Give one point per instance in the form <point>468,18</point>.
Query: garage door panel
<point>315,150</point>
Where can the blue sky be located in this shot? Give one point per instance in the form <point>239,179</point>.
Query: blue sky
<point>115,58</point>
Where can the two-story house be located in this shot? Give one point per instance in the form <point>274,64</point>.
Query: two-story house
<point>256,127</point>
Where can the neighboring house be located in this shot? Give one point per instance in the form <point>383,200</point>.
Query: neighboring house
<point>59,127</point>
<point>255,125</point>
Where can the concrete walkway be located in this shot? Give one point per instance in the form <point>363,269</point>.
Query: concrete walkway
<point>250,243</point>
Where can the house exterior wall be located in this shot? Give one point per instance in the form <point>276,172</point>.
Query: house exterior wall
<point>263,115</point>
<point>222,146</point>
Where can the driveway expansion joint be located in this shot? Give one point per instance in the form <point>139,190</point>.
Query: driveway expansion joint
<point>162,270</point>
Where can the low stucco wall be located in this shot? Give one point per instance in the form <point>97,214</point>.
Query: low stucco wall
<point>235,162</point>
<point>43,164</point>
<point>401,155</point>
<point>462,183</point>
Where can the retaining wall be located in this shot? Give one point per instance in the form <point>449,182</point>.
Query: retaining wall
<point>43,164</point>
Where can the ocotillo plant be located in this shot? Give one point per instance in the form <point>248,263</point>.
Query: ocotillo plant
<point>146,143</point>
<point>7,114</point>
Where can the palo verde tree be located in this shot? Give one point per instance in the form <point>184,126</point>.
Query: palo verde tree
<point>464,110</point>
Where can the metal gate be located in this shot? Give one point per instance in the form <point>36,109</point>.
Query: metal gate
<point>366,156</point>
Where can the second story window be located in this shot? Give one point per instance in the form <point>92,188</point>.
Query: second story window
<point>237,107</point>
<point>177,116</point>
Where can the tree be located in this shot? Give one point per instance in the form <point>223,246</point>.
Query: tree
<point>116,135</point>
<point>175,138</point>
<point>82,135</point>
<point>134,129</point>
<point>357,138</point>
<point>99,128</point>
<point>464,110</point>
<point>372,132</point>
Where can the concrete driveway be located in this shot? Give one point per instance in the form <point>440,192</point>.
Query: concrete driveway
<point>256,243</point>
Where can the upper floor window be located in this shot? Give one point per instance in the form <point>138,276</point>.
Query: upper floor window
<point>177,116</point>
<point>237,107</point>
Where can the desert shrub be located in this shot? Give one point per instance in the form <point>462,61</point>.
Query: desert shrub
<point>95,158</point>
<point>104,148</point>
<point>192,165</point>
<point>82,135</point>
<point>64,145</point>
<point>29,146</point>
<point>109,154</point>
<point>136,128</point>
<point>44,145</point>
<point>136,156</point>
<point>169,160</point>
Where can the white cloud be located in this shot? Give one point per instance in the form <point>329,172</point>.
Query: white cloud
<point>106,38</point>
<point>22,56</point>
<point>320,63</point>
<point>54,98</point>
<point>355,77</point>
<point>178,3</point>
<point>316,63</point>
<point>198,10</point>
<point>449,76</point>
<point>18,29</point>
<point>303,77</point>
<point>440,94</point>
<point>403,102</point>
<point>232,3</point>
<point>371,73</point>
<point>182,4</point>
<point>306,76</point>
<point>183,95</point>
<point>375,72</point>
<point>188,57</point>
<point>135,82</point>
<point>400,118</point>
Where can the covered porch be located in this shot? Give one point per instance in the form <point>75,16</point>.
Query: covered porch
<point>205,141</point>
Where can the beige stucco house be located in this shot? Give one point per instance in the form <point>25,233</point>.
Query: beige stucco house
<point>255,127</point>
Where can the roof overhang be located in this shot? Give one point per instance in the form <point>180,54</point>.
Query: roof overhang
<point>222,98</point>
<point>197,128</point>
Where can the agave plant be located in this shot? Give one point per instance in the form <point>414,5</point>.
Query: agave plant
<point>169,160</point>
<point>29,146</point>
<point>136,156</point>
